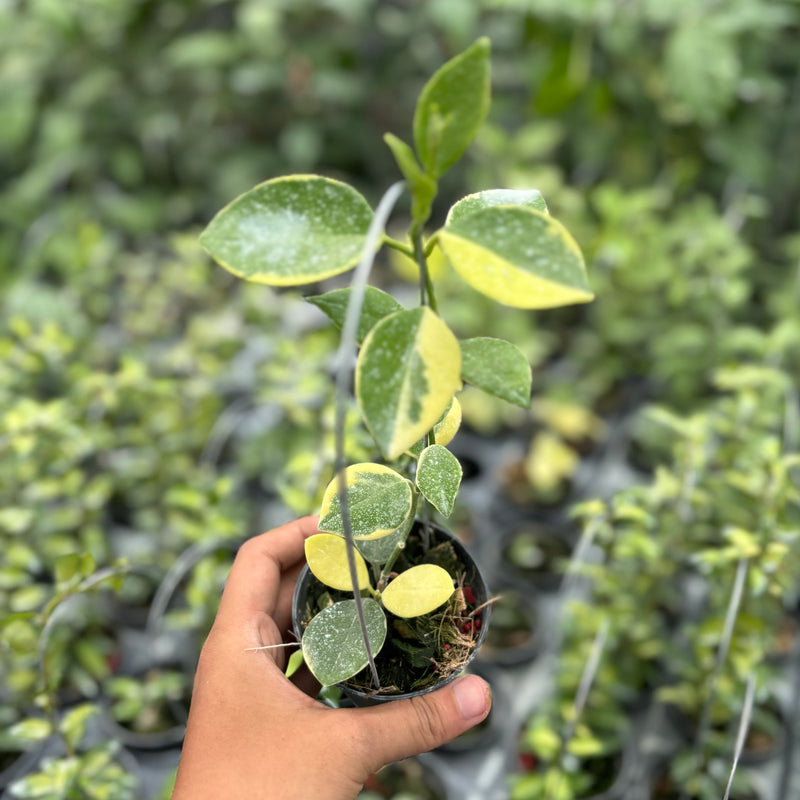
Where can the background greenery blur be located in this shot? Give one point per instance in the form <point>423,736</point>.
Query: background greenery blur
<point>153,410</point>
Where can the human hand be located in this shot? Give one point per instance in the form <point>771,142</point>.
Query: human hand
<point>252,733</point>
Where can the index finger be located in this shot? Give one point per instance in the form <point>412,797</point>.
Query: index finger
<point>254,582</point>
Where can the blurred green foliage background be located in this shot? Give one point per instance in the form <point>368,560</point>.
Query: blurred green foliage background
<point>149,403</point>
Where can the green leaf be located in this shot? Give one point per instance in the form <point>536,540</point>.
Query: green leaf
<point>31,730</point>
<point>702,72</point>
<point>56,778</point>
<point>498,367</point>
<point>451,108</point>
<point>376,306</point>
<point>294,663</point>
<point>418,591</point>
<point>19,634</point>
<point>73,724</point>
<point>444,430</point>
<point>290,231</point>
<point>517,256</point>
<point>326,556</point>
<point>527,198</point>
<point>423,187</point>
<point>380,501</point>
<point>67,567</point>
<point>333,647</point>
<point>378,551</point>
<point>15,520</point>
<point>438,477</point>
<point>407,372</point>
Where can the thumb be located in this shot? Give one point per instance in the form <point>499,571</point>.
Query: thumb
<point>404,728</point>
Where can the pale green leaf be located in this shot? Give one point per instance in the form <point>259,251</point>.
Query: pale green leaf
<point>498,367</point>
<point>407,372</point>
<point>701,72</point>
<point>290,231</point>
<point>418,591</point>
<point>517,256</point>
<point>19,634</point>
<point>378,551</point>
<point>451,108</point>
<point>530,198</point>
<point>423,187</point>
<point>333,646</point>
<point>444,430</point>
<point>438,477</point>
<point>74,723</point>
<point>294,663</point>
<point>32,729</point>
<point>376,306</point>
<point>326,556</point>
<point>15,519</point>
<point>380,500</point>
<point>67,567</point>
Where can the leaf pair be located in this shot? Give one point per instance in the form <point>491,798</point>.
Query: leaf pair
<point>381,502</point>
<point>493,365</point>
<point>333,645</point>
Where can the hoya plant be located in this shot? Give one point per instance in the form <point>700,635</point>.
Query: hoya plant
<point>303,229</point>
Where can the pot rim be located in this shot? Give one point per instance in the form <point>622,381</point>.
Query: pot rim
<point>482,596</point>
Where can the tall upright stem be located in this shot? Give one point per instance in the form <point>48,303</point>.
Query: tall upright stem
<point>344,373</point>
<point>722,653</point>
<point>426,294</point>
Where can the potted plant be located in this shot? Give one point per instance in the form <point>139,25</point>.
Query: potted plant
<point>383,580</point>
<point>566,757</point>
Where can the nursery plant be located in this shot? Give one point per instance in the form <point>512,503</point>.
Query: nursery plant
<point>386,579</point>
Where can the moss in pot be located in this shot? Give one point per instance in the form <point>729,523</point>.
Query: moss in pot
<point>377,583</point>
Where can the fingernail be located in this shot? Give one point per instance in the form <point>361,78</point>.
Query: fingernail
<point>473,696</point>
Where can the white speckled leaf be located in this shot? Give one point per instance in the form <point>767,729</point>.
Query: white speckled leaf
<point>418,591</point>
<point>408,370</point>
<point>452,107</point>
<point>517,256</point>
<point>380,501</point>
<point>445,429</point>
<point>498,367</point>
<point>294,663</point>
<point>378,551</point>
<point>375,307</point>
<point>290,231</point>
<point>438,477</point>
<point>326,556</point>
<point>333,646</point>
<point>532,198</point>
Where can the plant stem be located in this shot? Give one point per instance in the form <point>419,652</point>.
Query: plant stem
<point>722,653</point>
<point>744,725</point>
<point>347,345</point>
<point>587,679</point>
<point>426,294</point>
<point>399,246</point>
<point>387,567</point>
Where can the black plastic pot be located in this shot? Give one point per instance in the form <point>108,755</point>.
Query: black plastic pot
<point>513,639</point>
<point>15,764</point>
<point>408,778</point>
<point>534,554</point>
<point>487,733</point>
<point>473,578</point>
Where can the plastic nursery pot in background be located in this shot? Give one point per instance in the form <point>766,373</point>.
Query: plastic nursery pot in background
<point>407,663</point>
<point>409,778</point>
<point>490,730</point>
<point>512,638</point>
<point>534,554</point>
